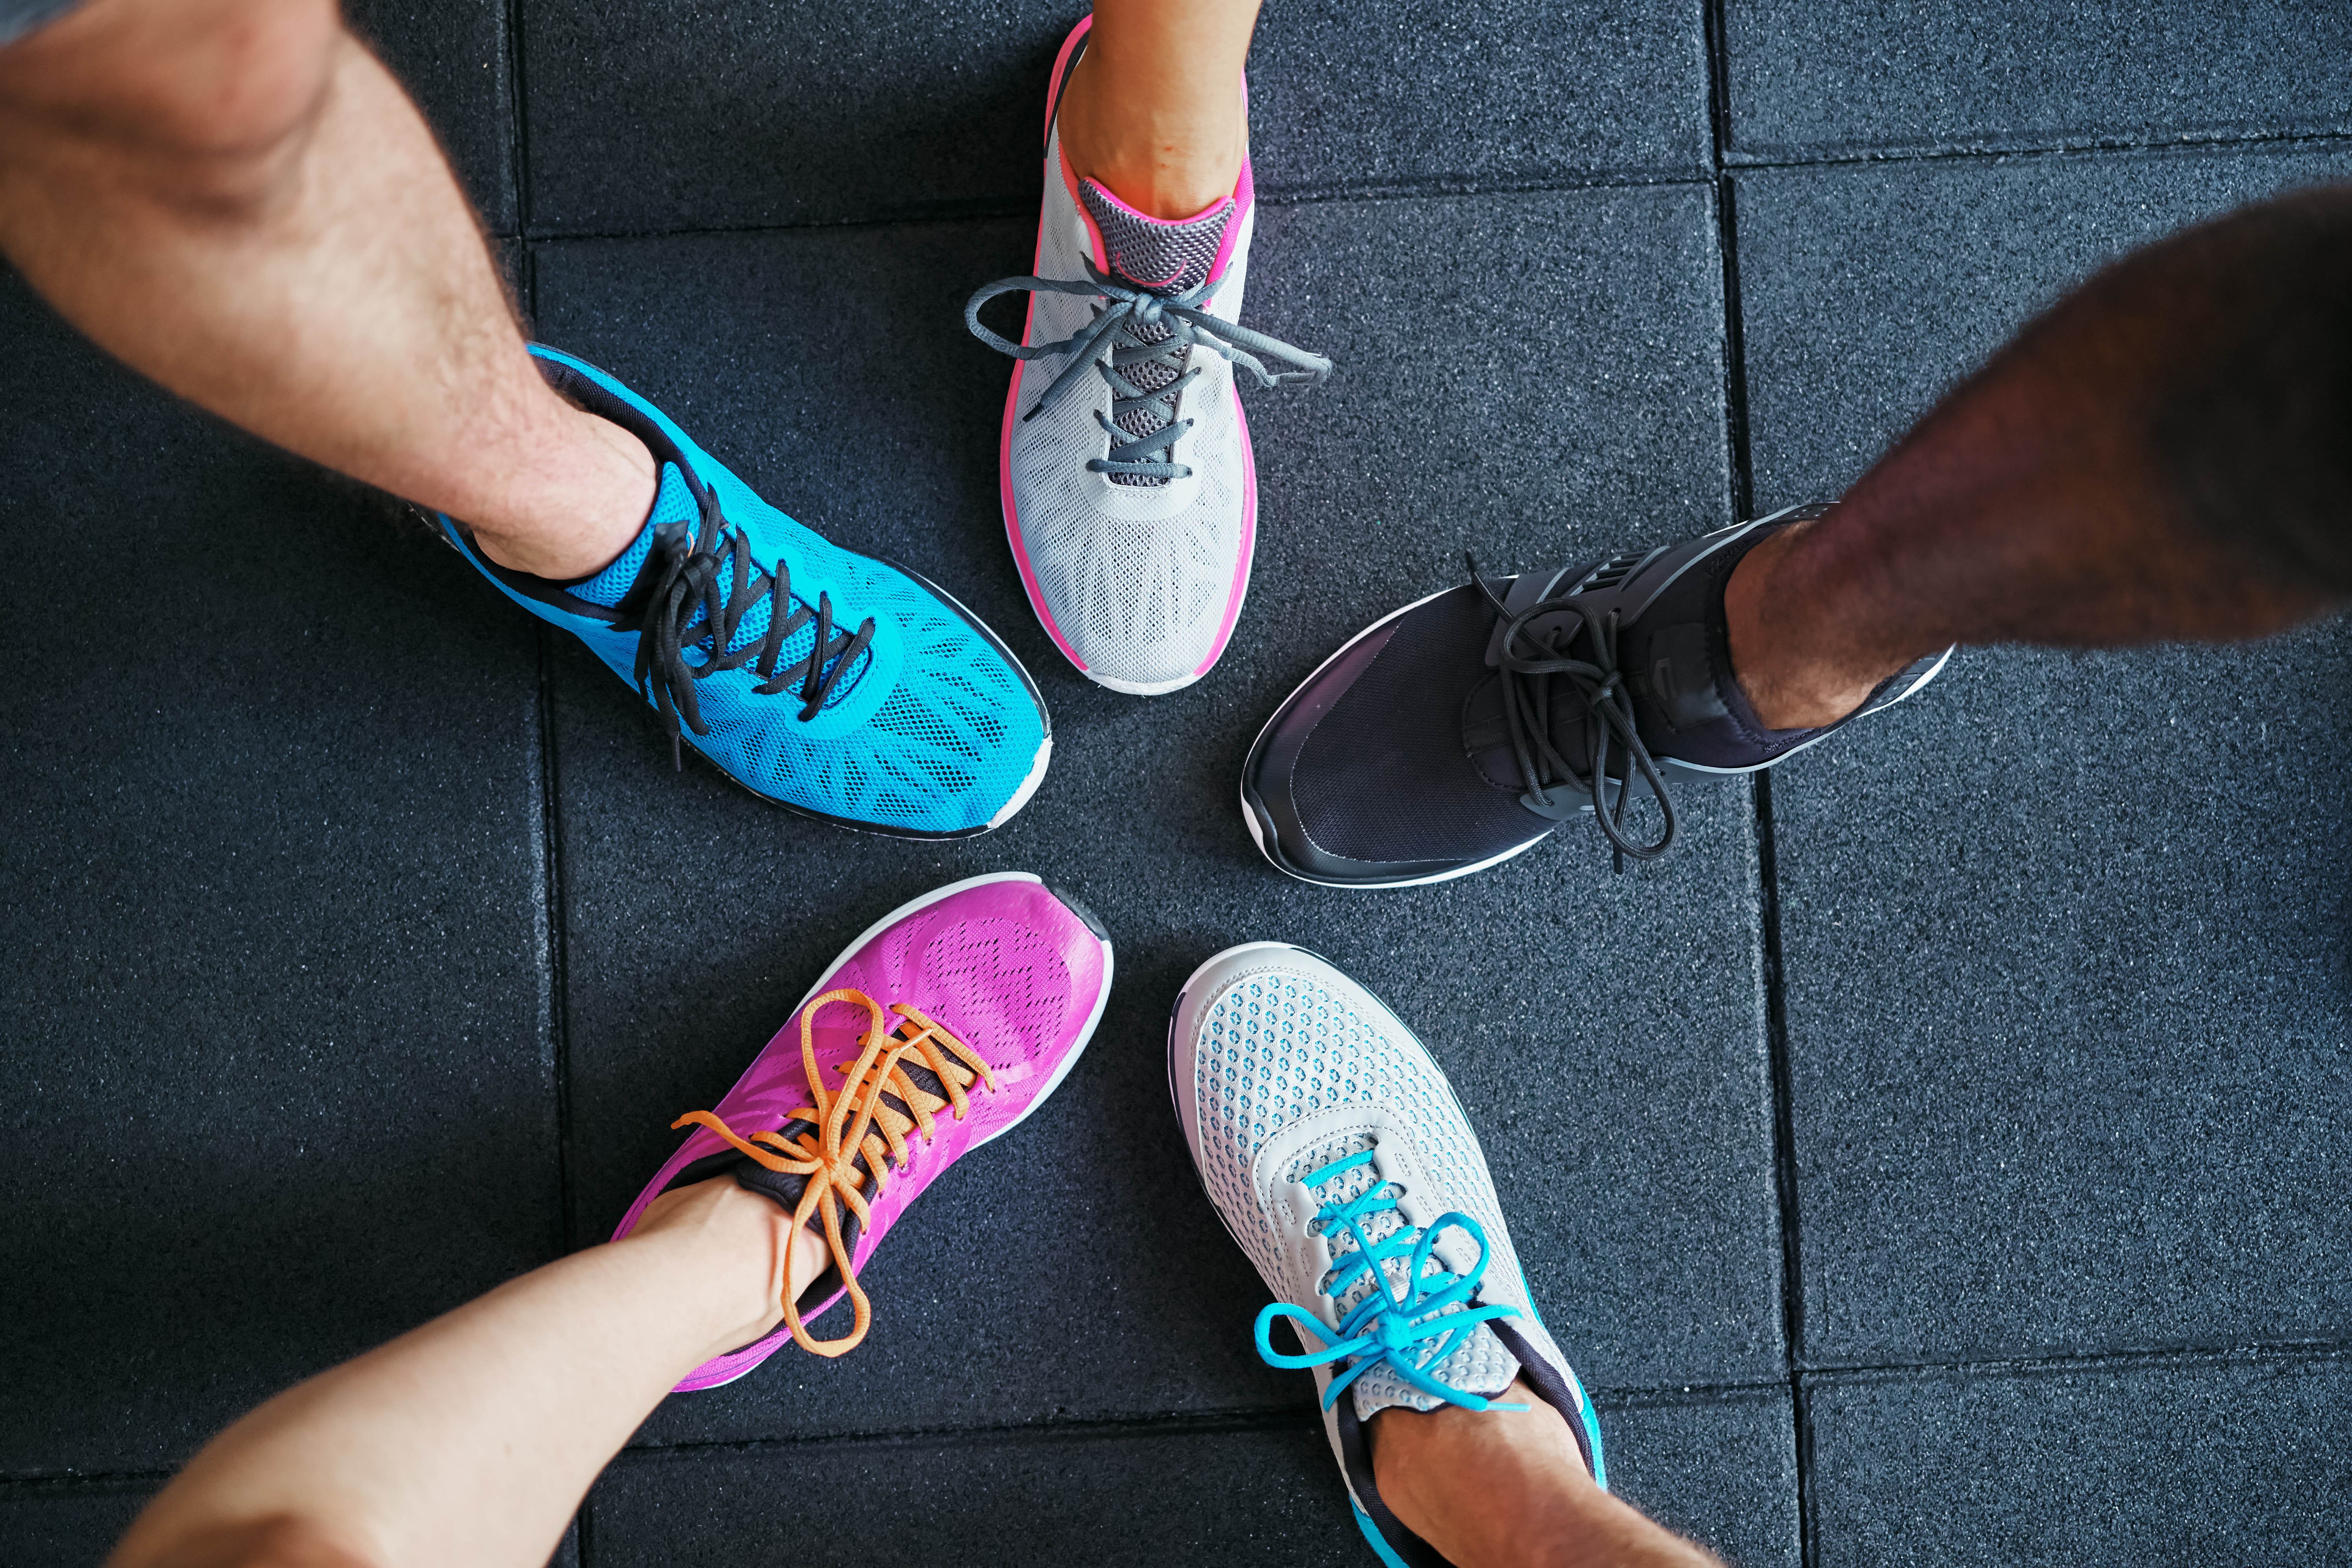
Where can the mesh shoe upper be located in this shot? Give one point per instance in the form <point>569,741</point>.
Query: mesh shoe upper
<point>1139,580</point>
<point>1129,498</point>
<point>1319,1123</point>
<point>1013,972</point>
<point>933,729</point>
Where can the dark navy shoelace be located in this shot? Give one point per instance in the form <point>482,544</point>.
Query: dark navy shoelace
<point>697,592</point>
<point>1529,663</point>
<point>1127,316</point>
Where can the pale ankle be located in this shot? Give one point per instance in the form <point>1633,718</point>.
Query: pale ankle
<point>594,508</point>
<point>1161,169</point>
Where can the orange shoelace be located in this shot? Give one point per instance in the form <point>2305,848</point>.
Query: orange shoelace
<point>853,1121</point>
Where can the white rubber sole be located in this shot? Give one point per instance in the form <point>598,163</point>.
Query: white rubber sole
<point>1028,786</point>
<point>1258,834</point>
<point>1141,687</point>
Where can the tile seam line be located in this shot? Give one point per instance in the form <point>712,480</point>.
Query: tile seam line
<point>1184,1423</point>
<point>2251,1351</point>
<point>1730,164</point>
<point>1270,197</point>
<point>1205,1424</point>
<point>1172,1425</point>
<point>1779,1079</point>
<point>1737,163</point>
<point>518,131</point>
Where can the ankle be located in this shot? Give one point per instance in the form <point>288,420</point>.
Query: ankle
<point>1164,163</point>
<point>582,510</point>
<point>1493,1486</point>
<point>745,1244</point>
<point>1793,675</point>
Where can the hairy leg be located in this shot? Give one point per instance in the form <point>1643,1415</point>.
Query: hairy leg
<point>1501,1487</point>
<point>2163,455</point>
<point>234,198</point>
<point>471,1440</point>
<point>1154,108</point>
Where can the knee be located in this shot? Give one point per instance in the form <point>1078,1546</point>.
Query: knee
<point>209,102</point>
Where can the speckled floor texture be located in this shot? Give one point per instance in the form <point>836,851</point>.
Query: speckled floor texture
<point>1945,1157</point>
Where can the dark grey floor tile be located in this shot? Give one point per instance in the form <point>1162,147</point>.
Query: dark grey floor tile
<point>2070,994</point>
<point>1606,1032</point>
<point>1809,79</point>
<point>1720,1468</point>
<point>2064,937</point>
<point>813,114</point>
<point>455,62</point>
<point>2237,1460</point>
<point>1723,1472</point>
<point>50,1526</point>
<point>1223,1497</point>
<point>1867,291</point>
<point>270,1016</point>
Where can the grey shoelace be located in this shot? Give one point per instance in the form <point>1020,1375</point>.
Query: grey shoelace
<point>1131,314</point>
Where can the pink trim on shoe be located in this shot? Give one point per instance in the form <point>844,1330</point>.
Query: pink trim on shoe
<point>1062,63</point>
<point>1094,235</point>
<point>1245,196</point>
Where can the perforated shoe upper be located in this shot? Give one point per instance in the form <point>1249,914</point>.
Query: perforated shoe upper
<point>933,729</point>
<point>1139,577</point>
<point>1319,1124</point>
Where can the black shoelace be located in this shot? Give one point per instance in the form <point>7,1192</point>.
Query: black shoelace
<point>712,570</point>
<point>1528,665</point>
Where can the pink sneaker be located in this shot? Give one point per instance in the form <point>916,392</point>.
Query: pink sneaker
<point>942,1026</point>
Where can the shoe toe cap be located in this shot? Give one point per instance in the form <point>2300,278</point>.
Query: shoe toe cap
<point>1361,779</point>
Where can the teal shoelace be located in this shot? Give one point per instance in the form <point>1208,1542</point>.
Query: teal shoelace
<point>1408,1331</point>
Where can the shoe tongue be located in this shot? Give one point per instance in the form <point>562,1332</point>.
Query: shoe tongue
<point>1481,1365</point>
<point>673,502</point>
<point>1164,256</point>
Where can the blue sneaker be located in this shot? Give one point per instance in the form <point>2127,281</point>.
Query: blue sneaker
<point>1334,1152</point>
<point>833,684</point>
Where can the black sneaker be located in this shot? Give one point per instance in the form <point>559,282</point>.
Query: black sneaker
<point>1421,751</point>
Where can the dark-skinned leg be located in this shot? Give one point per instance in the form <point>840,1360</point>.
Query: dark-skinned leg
<point>2166,454</point>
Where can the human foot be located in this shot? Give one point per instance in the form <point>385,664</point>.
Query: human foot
<point>1129,496</point>
<point>848,689</point>
<point>943,1026</point>
<point>1467,726</point>
<point>1336,1153</point>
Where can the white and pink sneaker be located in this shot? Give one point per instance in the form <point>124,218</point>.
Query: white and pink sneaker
<point>1129,496</point>
<point>946,1025</point>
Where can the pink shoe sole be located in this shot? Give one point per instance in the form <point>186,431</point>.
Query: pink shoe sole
<point>1011,968</point>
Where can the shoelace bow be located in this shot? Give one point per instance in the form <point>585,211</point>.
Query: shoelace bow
<point>1389,1323</point>
<point>712,572</point>
<point>1528,665</point>
<point>855,1121</point>
<point>1128,311</point>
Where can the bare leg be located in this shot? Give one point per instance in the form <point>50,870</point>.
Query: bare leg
<point>1154,110</point>
<point>234,198</point>
<point>1499,1487</point>
<point>472,1439</point>
<point>2166,454</point>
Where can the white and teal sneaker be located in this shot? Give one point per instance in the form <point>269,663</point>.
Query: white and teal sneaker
<point>1337,1156</point>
